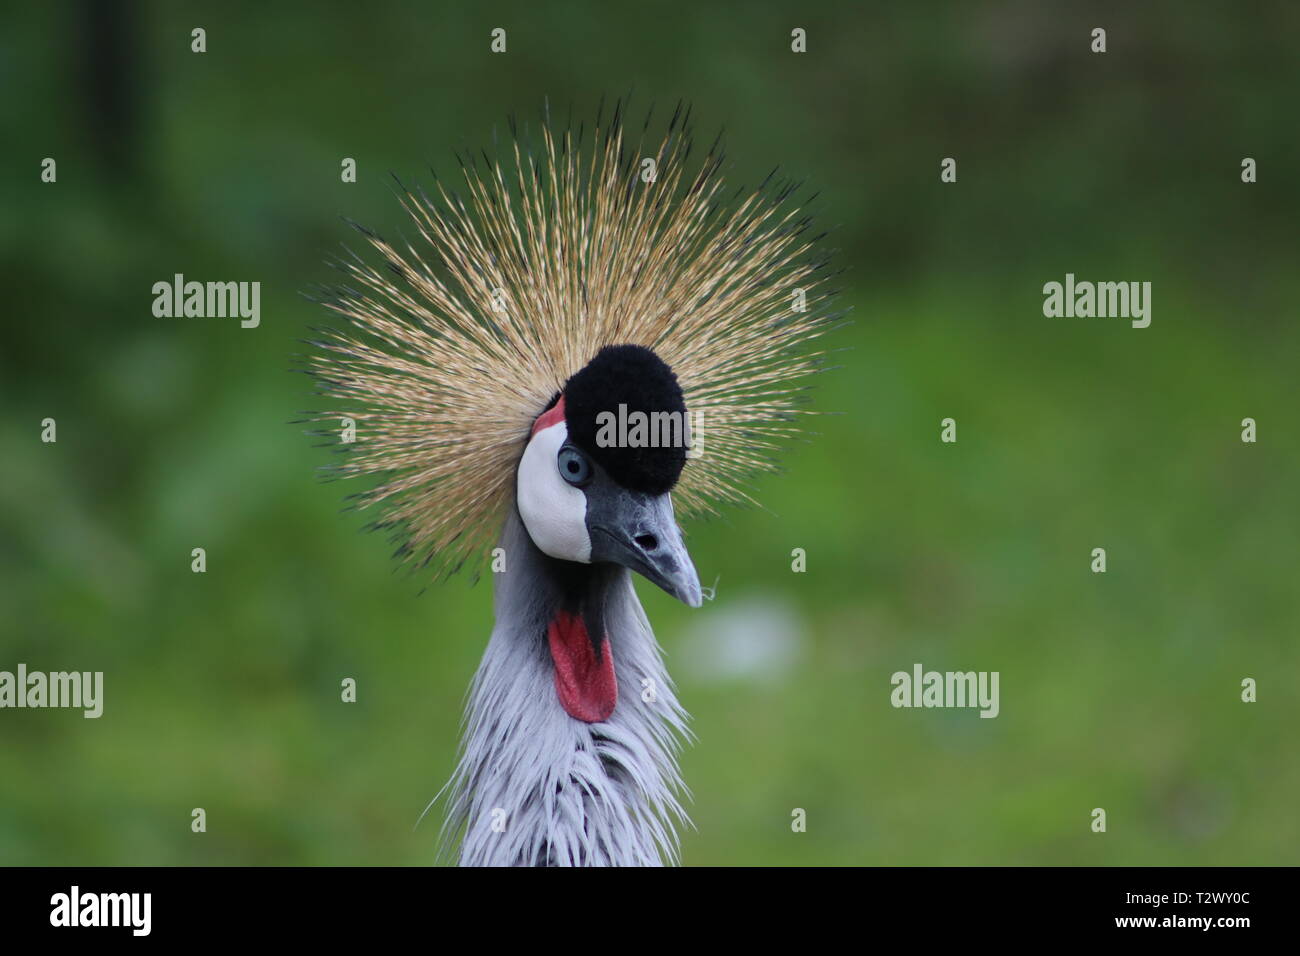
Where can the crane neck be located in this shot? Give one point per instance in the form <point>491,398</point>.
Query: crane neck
<point>536,785</point>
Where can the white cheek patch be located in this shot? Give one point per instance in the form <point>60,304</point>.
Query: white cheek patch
<point>554,512</point>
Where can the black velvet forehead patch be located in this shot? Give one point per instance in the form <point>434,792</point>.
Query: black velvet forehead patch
<point>641,382</point>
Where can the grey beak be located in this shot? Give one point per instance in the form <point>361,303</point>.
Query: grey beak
<point>640,533</point>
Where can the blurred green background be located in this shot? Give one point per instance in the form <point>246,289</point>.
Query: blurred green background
<point>1118,690</point>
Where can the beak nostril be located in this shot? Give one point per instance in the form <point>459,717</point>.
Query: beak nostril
<point>647,542</point>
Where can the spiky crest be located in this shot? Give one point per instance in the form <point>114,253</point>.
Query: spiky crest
<point>458,341</point>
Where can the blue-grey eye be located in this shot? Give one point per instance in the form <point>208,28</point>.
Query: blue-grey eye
<point>573,465</point>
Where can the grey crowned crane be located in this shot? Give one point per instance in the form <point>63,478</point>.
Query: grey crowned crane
<point>589,277</point>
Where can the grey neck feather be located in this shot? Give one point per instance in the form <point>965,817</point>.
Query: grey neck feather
<point>534,786</point>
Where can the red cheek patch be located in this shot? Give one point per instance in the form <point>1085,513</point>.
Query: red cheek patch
<point>549,417</point>
<point>585,683</point>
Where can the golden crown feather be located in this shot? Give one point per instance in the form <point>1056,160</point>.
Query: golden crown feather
<point>454,344</point>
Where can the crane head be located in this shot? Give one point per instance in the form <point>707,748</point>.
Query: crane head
<point>595,479</point>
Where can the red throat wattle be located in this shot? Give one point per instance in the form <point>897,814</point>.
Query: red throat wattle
<point>586,685</point>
